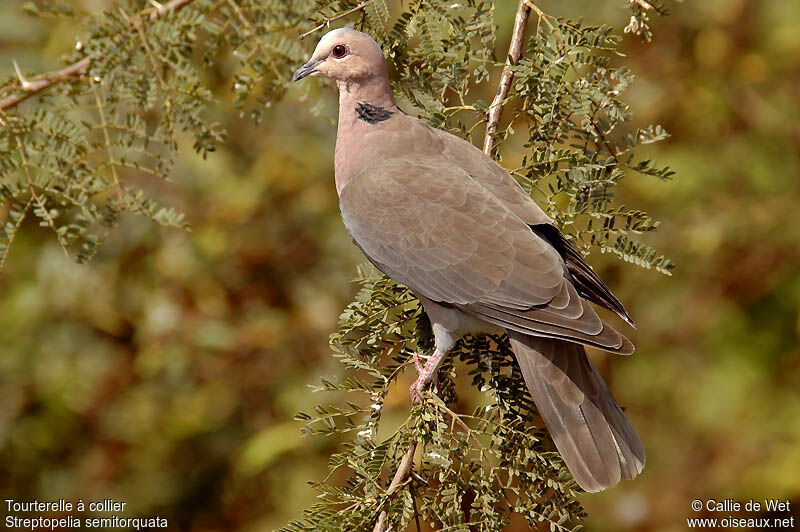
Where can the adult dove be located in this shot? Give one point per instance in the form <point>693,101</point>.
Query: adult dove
<point>437,215</point>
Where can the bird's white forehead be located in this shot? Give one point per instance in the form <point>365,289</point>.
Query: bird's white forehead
<point>332,37</point>
<point>338,36</point>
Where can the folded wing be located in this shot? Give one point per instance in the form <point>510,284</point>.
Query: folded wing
<point>433,227</point>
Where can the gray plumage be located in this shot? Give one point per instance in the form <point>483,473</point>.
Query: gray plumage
<point>439,216</point>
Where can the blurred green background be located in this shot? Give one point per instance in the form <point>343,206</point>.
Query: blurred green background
<point>167,372</point>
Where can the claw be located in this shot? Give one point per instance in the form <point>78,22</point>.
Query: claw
<point>416,390</point>
<point>418,362</point>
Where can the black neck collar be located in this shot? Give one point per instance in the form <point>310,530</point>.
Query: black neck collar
<point>372,114</point>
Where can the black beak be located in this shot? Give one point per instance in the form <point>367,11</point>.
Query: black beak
<point>306,70</point>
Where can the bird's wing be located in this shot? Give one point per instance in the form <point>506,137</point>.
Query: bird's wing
<point>491,176</point>
<point>505,188</point>
<point>431,226</point>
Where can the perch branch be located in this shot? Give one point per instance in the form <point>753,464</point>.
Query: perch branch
<point>514,55</point>
<point>327,21</point>
<point>542,15</point>
<point>30,87</point>
<point>44,81</point>
<point>403,472</point>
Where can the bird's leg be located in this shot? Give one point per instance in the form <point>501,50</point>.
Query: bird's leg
<point>426,373</point>
<point>418,362</point>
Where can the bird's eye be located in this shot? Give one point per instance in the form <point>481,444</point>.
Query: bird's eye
<point>339,51</point>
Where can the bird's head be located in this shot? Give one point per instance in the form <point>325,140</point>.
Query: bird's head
<point>346,56</point>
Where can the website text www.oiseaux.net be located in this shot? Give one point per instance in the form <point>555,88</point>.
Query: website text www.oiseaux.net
<point>730,521</point>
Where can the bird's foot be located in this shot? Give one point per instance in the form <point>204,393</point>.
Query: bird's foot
<point>420,384</point>
<point>418,362</point>
<point>427,373</point>
<point>416,389</point>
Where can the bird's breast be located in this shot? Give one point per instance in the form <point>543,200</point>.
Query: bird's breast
<point>361,145</point>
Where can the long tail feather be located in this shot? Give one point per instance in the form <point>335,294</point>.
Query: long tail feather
<point>590,431</point>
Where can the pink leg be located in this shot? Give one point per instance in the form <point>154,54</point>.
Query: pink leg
<point>418,363</point>
<point>426,373</point>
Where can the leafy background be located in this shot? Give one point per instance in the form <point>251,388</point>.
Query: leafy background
<point>167,372</point>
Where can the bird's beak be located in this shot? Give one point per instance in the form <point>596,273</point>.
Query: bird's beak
<point>307,69</point>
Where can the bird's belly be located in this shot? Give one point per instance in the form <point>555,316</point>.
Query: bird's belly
<point>449,324</point>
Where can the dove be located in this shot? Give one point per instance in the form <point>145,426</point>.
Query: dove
<point>437,215</point>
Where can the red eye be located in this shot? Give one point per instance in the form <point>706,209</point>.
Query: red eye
<point>339,51</point>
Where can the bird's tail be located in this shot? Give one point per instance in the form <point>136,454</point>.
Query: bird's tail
<point>590,431</point>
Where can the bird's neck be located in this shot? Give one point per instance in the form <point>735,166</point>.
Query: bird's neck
<point>375,91</point>
<point>362,109</point>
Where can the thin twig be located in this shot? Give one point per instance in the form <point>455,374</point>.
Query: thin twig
<point>414,506</point>
<point>107,137</point>
<point>259,43</point>
<point>75,70</point>
<point>159,10</point>
<point>403,472</point>
<point>44,81</point>
<point>10,236</point>
<point>542,15</point>
<point>45,214</point>
<point>560,39</point>
<point>514,55</point>
<point>328,21</point>
<point>137,23</point>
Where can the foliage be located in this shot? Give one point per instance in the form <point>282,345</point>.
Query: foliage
<point>76,162</point>
<point>167,372</point>
<point>478,470</point>
<point>567,94</point>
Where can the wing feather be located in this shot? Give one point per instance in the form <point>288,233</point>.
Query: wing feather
<point>431,226</point>
<point>434,229</point>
